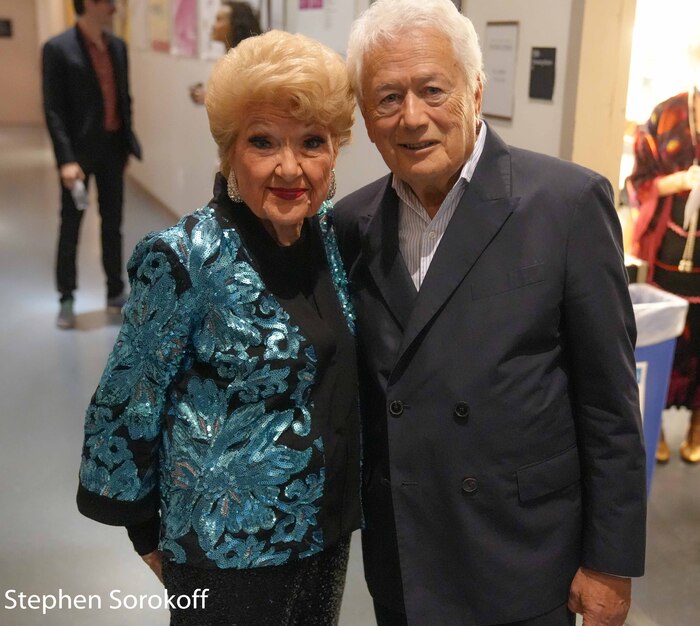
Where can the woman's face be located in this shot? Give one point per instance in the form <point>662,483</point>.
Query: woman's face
<point>222,26</point>
<point>283,168</point>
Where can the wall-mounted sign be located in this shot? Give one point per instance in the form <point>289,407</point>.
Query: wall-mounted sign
<point>5,28</point>
<point>542,70</point>
<point>500,55</point>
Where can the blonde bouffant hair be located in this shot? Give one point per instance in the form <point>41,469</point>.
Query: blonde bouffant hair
<point>303,77</point>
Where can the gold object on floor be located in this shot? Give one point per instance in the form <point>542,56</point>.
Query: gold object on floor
<point>690,448</point>
<point>663,453</point>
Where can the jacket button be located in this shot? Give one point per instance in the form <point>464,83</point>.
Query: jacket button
<point>470,485</point>
<point>396,408</point>
<point>461,410</point>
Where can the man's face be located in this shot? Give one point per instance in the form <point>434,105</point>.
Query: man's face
<point>100,11</point>
<point>418,109</point>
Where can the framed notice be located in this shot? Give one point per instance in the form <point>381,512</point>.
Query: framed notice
<point>500,56</point>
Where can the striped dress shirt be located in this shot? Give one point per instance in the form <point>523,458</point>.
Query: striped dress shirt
<point>419,236</point>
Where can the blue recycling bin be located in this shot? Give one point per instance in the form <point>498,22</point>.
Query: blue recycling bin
<point>660,318</point>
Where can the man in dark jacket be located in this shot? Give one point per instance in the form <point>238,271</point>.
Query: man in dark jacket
<point>88,114</point>
<point>503,462</point>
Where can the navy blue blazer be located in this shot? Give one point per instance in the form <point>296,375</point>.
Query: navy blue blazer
<point>73,103</point>
<point>502,437</point>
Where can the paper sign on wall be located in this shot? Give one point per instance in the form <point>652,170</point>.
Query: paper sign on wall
<point>500,55</point>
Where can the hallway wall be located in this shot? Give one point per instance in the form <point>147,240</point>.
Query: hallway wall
<point>180,157</point>
<point>20,65</point>
<point>536,124</point>
<point>585,120</point>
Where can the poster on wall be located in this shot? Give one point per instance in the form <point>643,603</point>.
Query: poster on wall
<point>121,25</point>
<point>184,27</point>
<point>209,49</point>
<point>500,56</point>
<point>159,25</point>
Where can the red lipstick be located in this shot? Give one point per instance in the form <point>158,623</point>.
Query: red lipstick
<point>287,194</point>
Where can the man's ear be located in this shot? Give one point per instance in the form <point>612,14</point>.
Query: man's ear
<point>478,96</point>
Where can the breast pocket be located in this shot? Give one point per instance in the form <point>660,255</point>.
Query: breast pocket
<point>492,285</point>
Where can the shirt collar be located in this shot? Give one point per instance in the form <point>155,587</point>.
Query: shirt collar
<point>86,38</point>
<point>404,191</point>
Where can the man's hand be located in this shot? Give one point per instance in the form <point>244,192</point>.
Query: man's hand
<point>70,173</point>
<point>603,600</point>
<point>154,560</point>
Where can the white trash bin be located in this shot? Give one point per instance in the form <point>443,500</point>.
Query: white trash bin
<point>660,318</point>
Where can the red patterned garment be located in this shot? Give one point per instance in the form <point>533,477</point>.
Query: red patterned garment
<point>663,146</point>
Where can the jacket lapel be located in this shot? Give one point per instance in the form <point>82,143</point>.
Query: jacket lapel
<point>384,259</point>
<point>86,57</point>
<point>480,215</point>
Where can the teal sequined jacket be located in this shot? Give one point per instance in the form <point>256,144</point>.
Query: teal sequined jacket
<point>204,409</point>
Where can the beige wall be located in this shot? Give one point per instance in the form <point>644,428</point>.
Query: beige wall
<point>20,65</point>
<point>33,22</point>
<point>585,121</point>
<point>536,124</point>
<point>599,123</point>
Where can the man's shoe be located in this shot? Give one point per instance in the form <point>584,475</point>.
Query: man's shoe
<point>66,317</point>
<point>115,304</point>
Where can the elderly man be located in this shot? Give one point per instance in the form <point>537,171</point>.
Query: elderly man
<point>504,476</point>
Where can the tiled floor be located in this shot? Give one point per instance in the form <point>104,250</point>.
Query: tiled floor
<point>47,377</point>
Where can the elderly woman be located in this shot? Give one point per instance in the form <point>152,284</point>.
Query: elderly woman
<point>224,432</point>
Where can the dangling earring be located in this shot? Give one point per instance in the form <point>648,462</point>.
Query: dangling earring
<point>232,187</point>
<point>331,188</point>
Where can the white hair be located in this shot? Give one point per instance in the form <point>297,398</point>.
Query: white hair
<point>387,20</point>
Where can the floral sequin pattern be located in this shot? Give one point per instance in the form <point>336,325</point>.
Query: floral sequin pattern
<point>206,398</point>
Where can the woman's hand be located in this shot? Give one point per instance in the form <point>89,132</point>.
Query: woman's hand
<point>154,560</point>
<point>678,182</point>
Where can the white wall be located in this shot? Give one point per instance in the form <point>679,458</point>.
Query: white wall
<point>180,157</point>
<point>536,124</point>
<point>580,123</point>
<point>179,154</point>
